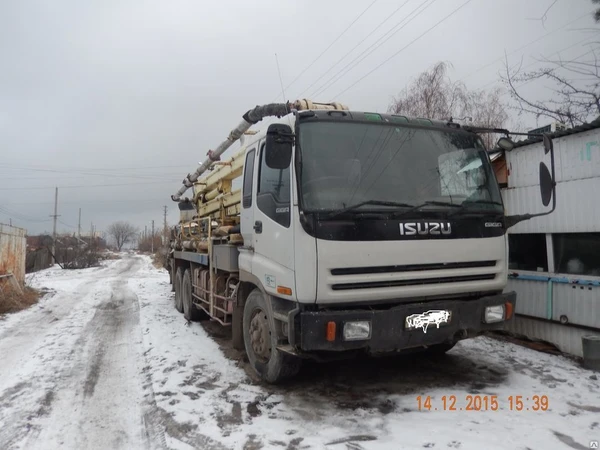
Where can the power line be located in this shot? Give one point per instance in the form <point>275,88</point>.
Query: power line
<point>531,80</point>
<point>524,46</point>
<point>137,200</point>
<point>369,50</point>
<point>67,225</point>
<point>82,186</point>
<point>362,41</point>
<point>146,177</point>
<point>20,216</point>
<point>328,47</point>
<point>405,47</point>
<point>103,168</point>
<point>536,62</point>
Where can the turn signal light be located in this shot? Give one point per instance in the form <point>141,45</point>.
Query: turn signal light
<point>284,290</point>
<point>330,331</point>
<point>508,310</point>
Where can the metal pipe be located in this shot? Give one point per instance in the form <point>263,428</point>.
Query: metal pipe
<point>211,195</point>
<point>251,117</point>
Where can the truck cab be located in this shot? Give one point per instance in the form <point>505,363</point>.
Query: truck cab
<point>366,232</point>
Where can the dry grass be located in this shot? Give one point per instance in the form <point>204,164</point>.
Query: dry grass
<point>11,301</point>
<point>158,260</point>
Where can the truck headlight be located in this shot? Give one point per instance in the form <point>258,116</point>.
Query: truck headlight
<point>494,314</point>
<point>356,331</point>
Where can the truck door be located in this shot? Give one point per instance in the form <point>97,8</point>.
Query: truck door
<point>247,213</point>
<point>273,259</point>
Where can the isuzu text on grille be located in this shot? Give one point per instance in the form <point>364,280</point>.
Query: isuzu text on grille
<point>414,228</point>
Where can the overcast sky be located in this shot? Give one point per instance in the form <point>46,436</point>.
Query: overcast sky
<point>114,101</point>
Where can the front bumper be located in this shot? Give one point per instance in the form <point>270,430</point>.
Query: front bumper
<point>388,330</point>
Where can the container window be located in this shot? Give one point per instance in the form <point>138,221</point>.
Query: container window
<point>577,253</point>
<point>527,252</point>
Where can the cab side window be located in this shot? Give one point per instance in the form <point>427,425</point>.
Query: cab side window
<point>273,196</point>
<point>248,178</point>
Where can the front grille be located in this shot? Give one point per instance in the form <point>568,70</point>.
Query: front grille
<point>412,268</point>
<point>417,282</point>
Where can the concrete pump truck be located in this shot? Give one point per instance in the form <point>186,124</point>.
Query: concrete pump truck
<point>349,232</point>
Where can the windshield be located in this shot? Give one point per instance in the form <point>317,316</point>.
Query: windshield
<point>345,164</point>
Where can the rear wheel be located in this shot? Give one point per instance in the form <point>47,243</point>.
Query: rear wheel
<point>190,311</point>
<point>171,281</point>
<point>178,288</point>
<point>260,341</point>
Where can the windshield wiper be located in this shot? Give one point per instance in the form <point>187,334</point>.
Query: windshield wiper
<point>417,207</point>
<point>367,202</point>
<point>465,206</point>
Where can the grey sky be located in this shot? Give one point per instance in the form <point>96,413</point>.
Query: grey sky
<point>131,92</point>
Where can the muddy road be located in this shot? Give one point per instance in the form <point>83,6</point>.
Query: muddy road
<point>105,361</point>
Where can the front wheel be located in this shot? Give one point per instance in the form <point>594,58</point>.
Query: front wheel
<point>260,341</point>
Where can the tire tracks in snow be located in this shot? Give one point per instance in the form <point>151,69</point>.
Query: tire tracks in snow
<point>88,389</point>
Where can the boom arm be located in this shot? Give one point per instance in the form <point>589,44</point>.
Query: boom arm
<point>250,118</point>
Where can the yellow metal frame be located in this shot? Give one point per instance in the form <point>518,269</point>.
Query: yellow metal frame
<point>213,194</point>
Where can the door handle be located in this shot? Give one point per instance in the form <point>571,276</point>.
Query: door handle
<point>258,226</point>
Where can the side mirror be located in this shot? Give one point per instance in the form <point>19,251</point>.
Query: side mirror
<point>547,187</point>
<point>546,184</point>
<point>505,144</point>
<point>278,150</point>
<point>548,145</point>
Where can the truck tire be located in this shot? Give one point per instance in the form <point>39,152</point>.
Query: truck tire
<point>260,341</point>
<point>237,327</point>
<point>178,285</point>
<point>190,311</point>
<point>171,281</point>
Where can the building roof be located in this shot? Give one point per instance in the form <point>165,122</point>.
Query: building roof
<point>578,129</point>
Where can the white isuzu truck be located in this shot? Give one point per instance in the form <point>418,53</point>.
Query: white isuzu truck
<point>350,232</point>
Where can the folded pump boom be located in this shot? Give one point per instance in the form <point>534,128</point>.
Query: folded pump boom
<point>251,117</point>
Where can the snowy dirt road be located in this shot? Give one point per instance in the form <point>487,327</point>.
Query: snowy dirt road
<point>104,361</point>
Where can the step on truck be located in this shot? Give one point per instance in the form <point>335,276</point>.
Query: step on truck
<point>333,232</point>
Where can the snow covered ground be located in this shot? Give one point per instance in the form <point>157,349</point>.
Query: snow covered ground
<point>104,361</point>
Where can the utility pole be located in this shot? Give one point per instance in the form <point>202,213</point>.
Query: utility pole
<point>152,236</point>
<point>55,216</point>
<point>165,231</point>
<point>79,225</point>
<point>10,222</point>
<point>145,231</point>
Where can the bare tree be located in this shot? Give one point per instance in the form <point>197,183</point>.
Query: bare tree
<point>434,95</point>
<point>486,109</point>
<point>122,233</point>
<point>574,89</point>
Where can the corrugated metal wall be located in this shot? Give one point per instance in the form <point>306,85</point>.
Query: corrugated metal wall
<point>577,159</point>
<point>13,247</point>
<point>567,339</point>
<point>578,178</point>
<point>578,304</point>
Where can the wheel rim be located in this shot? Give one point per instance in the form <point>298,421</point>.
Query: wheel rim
<point>260,335</point>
